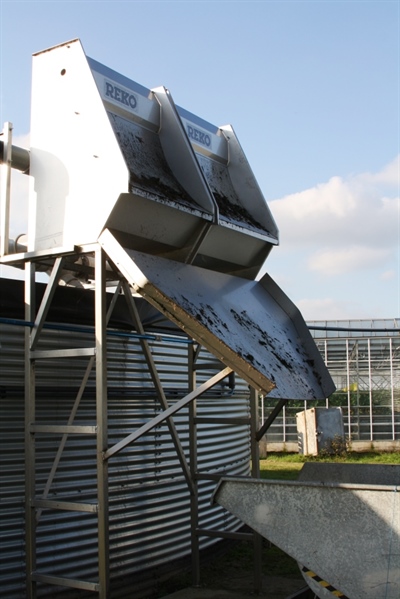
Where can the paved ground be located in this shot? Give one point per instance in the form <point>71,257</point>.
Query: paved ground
<point>274,588</point>
<point>228,573</point>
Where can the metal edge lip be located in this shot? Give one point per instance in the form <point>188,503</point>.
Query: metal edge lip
<point>304,483</point>
<point>144,91</point>
<point>72,41</point>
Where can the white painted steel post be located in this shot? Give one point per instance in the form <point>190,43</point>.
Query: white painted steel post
<point>392,388</point>
<point>371,403</point>
<point>255,472</point>
<point>348,394</point>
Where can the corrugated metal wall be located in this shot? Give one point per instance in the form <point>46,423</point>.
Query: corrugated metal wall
<point>149,498</point>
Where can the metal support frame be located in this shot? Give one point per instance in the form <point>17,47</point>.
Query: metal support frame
<point>196,532</point>
<point>101,422</point>
<point>98,356</point>
<point>30,520</point>
<point>267,423</point>
<point>157,383</point>
<point>194,351</point>
<point>163,416</point>
<point>255,472</point>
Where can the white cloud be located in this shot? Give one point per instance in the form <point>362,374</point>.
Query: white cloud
<point>388,175</point>
<point>388,275</point>
<point>362,210</point>
<point>344,224</point>
<point>348,259</point>
<point>330,309</point>
<point>340,246</point>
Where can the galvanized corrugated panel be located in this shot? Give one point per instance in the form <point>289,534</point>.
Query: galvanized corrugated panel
<point>149,498</point>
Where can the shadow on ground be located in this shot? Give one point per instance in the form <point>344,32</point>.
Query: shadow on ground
<point>231,575</point>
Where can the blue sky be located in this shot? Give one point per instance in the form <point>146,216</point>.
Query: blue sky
<point>312,91</point>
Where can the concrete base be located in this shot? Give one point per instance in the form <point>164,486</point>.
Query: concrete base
<point>358,446</point>
<point>193,593</point>
<point>349,534</point>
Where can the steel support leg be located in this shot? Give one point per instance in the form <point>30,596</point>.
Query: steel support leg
<point>157,383</point>
<point>101,416</point>
<point>30,520</point>
<point>194,499</point>
<point>255,472</point>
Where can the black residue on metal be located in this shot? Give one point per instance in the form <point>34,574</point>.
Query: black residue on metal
<point>240,318</point>
<point>205,314</point>
<point>210,310</point>
<point>231,207</point>
<point>247,322</point>
<point>282,360</point>
<point>147,165</point>
<point>317,376</point>
<point>235,212</point>
<point>264,339</point>
<point>204,317</point>
<point>156,186</point>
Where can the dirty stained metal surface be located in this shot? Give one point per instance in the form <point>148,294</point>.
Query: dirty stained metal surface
<point>150,175</point>
<point>230,208</point>
<point>361,522</point>
<point>236,319</point>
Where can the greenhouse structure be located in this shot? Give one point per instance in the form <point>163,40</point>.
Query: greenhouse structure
<point>363,358</point>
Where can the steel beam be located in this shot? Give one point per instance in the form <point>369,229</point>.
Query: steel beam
<point>157,383</point>
<point>101,421</point>
<point>30,402</point>
<point>167,413</point>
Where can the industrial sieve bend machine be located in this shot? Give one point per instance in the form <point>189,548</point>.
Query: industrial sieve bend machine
<point>125,182</point>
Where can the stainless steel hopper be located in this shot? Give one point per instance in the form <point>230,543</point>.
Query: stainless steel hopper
<point>172,201</point>
<point>107,152</point>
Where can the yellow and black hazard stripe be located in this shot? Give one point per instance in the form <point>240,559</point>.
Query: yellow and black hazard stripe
<point>323,583</point>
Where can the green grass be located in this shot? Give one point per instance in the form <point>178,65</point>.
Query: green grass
<point>286,466</point>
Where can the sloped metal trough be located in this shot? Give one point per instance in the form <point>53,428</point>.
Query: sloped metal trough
<point>341,522</point>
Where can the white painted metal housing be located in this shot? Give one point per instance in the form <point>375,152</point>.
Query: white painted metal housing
<point>107,152</point>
